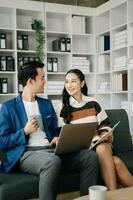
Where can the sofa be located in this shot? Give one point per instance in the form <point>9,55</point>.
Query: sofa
<point>20,186</point>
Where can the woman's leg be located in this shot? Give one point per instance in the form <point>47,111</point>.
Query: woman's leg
<point>123,174</point>
<point>107,166</point>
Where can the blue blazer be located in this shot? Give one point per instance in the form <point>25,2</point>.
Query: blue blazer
<point>13,119</point>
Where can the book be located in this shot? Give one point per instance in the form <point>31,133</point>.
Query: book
<point>103,43</point>
<point>105,135</point>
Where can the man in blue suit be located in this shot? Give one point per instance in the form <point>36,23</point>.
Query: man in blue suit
<point>28,129</point>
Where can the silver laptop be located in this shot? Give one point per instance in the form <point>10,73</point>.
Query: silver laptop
<point>74,137</point>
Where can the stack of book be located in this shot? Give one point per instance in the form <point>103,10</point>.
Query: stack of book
<point>131,35</point>
<point>78,24</point>
<point>119,82</point>
<point>104,87</point>
<point>55,87</point>
<point>81,63</point>
<point>103,63</point>
<point>120,63</point>
<point>120,39</point>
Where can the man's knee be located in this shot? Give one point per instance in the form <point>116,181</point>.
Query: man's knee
<point>56,161</point>
<point>90,157</point>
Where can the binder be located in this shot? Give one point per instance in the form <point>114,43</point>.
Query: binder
<point>55,64</point>
<point>68,44</point>
<point>106,42</point>
<point>37,59</point>
<point>103,43</point>
<point>20,61</point>
<point>55,45</point>
<point>19,42</point>
<point>3,40</point>
<point>59,44</point>
<point>2,63</point>
<point>49,64</point>
<point>124,82</point>
<point>31,59</point>
<point>4,85</point>
<point>25,42</point>
<point>62,44</point>
<point>10,63</point>
<point>25,59</point>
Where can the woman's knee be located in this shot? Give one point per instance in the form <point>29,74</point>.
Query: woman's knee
<point>118,163</point>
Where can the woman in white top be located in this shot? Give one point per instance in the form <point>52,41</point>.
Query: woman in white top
<point>77,107</point>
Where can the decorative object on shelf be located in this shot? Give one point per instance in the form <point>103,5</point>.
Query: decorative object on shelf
<point>37,25</point>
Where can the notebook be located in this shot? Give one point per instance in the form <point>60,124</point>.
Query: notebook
<point>75,137</point>
<point>106,134</point>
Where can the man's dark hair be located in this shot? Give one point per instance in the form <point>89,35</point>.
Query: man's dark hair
<point>28,70</point>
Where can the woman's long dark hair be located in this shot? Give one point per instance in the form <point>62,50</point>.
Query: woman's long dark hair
<point>66,109</point>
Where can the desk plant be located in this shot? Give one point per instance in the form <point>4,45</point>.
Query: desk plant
<point>37,25</point>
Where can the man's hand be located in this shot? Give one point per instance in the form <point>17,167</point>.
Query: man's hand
<point>54,141</point>
<point>31,126</point>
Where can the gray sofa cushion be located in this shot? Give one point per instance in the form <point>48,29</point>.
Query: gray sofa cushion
<point>18,186</point>
<point>21,186</point>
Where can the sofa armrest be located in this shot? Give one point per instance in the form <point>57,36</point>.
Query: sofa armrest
<point>122,137</point>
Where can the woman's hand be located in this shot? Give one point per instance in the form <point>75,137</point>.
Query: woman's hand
<point>54,141</point>
<point>108,139</point>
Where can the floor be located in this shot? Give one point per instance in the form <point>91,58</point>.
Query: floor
<point>66,196</point>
